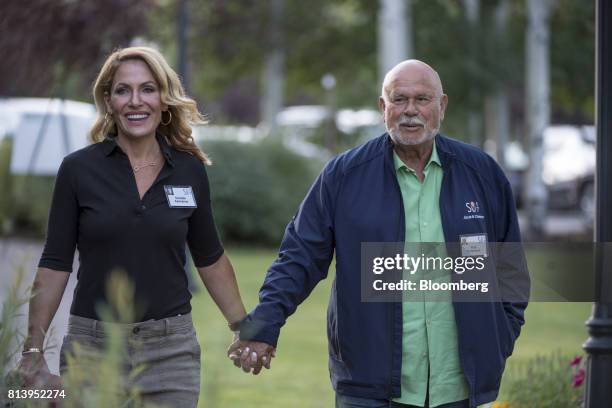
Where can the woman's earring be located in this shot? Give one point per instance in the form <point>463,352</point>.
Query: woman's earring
<point>169,118</point>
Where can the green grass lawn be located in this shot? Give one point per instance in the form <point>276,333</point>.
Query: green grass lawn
<point>299,375</point>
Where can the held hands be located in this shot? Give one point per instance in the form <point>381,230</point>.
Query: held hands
<point>250,355</point>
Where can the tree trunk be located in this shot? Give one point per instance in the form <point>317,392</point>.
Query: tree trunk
<point>474,116</point>
<point>394,34</point>
<point>502,125</point>
<point>182,23</point>
<point>273,77</point>
<point>497,103</point>
<point>538,109</point>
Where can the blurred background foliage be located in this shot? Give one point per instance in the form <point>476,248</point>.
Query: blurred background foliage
<point>228,40</point>
<point>256,189</point>
<point>222,48</point>
<point>54,48</point>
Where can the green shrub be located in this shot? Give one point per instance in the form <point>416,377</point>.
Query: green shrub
<point>256,188</point>
<point>32,199</point>
<point>11,339</point>
<point>25,199</point>
<point>5,182</point>
<point>546,381</point>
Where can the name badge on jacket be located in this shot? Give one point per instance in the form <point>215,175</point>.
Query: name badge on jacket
<point>473,245</point>
<point>180,196</point>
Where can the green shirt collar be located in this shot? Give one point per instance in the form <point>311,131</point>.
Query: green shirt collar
<point>433,158</point>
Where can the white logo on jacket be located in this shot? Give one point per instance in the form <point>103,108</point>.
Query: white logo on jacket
<point>473,208</point>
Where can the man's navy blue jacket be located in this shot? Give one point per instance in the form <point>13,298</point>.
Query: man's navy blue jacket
<point>356,199</point>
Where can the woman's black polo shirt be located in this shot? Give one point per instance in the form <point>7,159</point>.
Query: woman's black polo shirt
<point>97,209</point>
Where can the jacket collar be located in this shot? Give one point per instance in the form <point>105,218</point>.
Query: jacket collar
<point>444,152</point>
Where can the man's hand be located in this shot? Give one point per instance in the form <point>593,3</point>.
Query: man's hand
<point>251,355</point>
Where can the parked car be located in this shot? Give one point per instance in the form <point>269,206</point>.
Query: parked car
<point>335,130</point>
<point>43,131</point>
<point>568,169</point>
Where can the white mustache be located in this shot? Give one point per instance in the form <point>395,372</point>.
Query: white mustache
<point>411,122</point>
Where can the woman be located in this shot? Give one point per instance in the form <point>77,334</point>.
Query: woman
<point>129,202</point>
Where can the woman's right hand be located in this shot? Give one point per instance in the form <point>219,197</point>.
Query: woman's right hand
<point>48,287</point>
<point>33,372</point>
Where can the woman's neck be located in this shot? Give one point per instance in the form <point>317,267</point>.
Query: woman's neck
<point>139,149</point>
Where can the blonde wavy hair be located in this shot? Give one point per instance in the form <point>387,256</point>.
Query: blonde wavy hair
<point>184,110</point>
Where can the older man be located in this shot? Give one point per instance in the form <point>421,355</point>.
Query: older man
<point>409,185</point>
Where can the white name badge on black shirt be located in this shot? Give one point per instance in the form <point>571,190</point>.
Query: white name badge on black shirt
<point>180,196</point>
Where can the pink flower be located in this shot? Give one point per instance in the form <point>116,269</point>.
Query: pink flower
<point>579,378</point>
<point>576,361</point>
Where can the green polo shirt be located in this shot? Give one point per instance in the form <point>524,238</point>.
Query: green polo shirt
<point>430,355</point>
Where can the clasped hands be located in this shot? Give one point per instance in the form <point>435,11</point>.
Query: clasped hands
<point>250,355</point>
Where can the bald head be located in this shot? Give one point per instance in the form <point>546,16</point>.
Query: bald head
<point>412,70</point>
<point>413,103</point>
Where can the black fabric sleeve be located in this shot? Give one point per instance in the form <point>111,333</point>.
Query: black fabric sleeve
<point>202,237</point>
<point>62,227</point>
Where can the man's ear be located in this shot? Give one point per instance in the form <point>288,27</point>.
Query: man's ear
<point>381,106</point>
<point>443,104</point>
